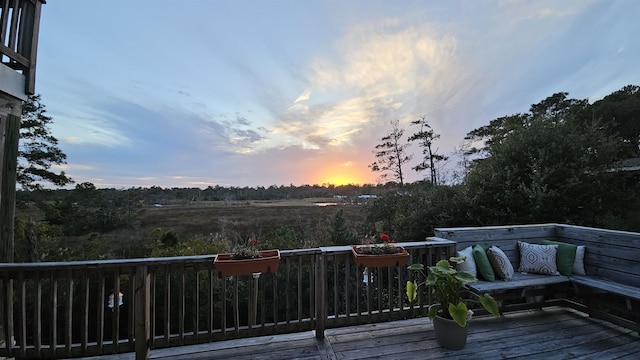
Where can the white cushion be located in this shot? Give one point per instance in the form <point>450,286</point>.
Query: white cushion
<point>578,264</point>
<point>469,264</point>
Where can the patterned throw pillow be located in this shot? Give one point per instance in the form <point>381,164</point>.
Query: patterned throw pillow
<point>469,264</point>
<point>500,262</point>
<point>539,259</point>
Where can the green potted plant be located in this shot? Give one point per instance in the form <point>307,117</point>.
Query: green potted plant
<point>449,312</point>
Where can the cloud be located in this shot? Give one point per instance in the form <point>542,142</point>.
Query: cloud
<point>384,70</point>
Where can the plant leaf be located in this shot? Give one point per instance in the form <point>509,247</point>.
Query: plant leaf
<point>490,304</point>
<point>432,311</point>
<point>412,290</point>
<point>416,267</point>
<point>459,313</point>
<point>465,277</point>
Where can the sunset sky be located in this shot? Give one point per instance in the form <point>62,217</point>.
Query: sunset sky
<point>195,93</point>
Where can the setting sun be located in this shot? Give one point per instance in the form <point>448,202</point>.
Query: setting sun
<point>343,175</point>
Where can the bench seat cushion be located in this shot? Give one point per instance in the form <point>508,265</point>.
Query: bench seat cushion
<point>627,291</point>
<point>518,281</point>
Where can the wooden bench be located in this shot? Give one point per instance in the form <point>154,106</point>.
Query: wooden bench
<point>610,290</point>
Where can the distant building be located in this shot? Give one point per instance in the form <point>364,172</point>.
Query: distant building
<point>366,197</point>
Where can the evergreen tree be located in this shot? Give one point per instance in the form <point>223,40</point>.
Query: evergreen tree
<point>38,149</point>
<point>391,155</point>
<point>426,136</point>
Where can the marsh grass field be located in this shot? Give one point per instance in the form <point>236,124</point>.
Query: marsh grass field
<point>245,217</point>
<point>310,218</point>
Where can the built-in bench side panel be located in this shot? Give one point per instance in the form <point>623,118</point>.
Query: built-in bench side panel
<point>609,254</point>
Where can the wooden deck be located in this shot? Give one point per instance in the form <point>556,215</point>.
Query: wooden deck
<point>552,333</point>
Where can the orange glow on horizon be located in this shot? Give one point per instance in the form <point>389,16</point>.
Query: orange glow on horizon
<point>342,175</point>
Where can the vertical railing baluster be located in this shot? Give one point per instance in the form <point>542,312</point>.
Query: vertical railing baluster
<point>54,314</point>
<point>100,321</point>
<point>390,272</point>
<point>321,296</point>
<point>181,304</point>
<point>287,292</point>
<point>210,302</point>
<point>84,326</point>
<point>115,331</point>
<point>21,284</point>
<point>336,290</point>
<point>37,331</point>
<point>359,285</point>
<point>167,306</point>
<point>236,306</point>
<point>299,292</point>
<point>223,296</point>
<point>131,309</point>
<point>153,271</point>
<point>68,336</point>
<point>347,286</point>
<point>263,301</point>
<point>312,288</point>
<point>274,282</point>
<point>196,304</point>
<point>379,289</point>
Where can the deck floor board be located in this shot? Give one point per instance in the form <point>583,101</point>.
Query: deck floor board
<point>552,333</point>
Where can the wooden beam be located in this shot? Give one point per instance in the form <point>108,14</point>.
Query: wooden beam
<point>142,312</point>
<point>10,126</point>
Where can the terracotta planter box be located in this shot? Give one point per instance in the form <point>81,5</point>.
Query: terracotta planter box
<point>379,260</point>
<point>227,266</point>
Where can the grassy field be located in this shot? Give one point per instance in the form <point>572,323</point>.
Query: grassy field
<point>236,221</point>
<point>254,217</point>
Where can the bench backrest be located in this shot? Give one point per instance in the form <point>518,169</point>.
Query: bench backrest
<point>609,254</point>
<point>504,237</point>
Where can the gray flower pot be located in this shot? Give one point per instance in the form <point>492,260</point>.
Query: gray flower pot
<point>449,334</point>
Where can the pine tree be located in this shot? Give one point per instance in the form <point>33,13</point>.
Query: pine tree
<point>390,155</point>
<point>38,149</point>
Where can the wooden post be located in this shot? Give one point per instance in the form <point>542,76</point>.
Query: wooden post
<point>321,295</point>
<point>142,314</point>
<point>10,131</point>
<point>9,137</point>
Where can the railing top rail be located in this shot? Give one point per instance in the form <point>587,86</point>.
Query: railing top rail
<point>200,259</point>
<point>110,263</point>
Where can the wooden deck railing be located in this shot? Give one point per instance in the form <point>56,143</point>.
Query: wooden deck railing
<point>92,308</point>
<point>19,26</point>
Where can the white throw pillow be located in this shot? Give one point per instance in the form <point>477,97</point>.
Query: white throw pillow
<point>469,264</point>
<point>578,264</point>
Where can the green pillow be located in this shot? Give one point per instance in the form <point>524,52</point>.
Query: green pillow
<point>483,263</point>
<point>565,257</point>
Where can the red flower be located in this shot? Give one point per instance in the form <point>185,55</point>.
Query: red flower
<point>254,241</point>
<point>393,241</point>
<point>384,237</point>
